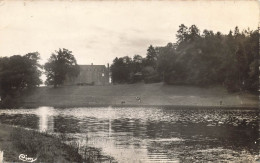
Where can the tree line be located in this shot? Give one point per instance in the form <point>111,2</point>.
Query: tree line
<point>20,73</point>
<point>201,59</point>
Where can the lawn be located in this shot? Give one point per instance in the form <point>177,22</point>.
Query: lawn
<point>125,94</point>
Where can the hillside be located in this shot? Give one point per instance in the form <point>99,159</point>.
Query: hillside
<point>150,94</point>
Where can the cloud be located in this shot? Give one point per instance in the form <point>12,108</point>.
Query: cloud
<point>98,31</point>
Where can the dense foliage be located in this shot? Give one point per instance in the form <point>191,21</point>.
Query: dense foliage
<point>59,66</point>
<point>130,70</point>
<point>18,73</point>
<point>196,58</point>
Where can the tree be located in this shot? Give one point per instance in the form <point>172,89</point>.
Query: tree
<point>137,63</point>
<point>18,73</point>
<point>182,33</point>
<point>32,76</point>
<point>151,57</point>
<point>208,59</point>
<point>251,45</point>
<point>166,61</point>
<point>194,33</point>
<point>211,58</point>
<point>121,69</point>
<point>59,66</point>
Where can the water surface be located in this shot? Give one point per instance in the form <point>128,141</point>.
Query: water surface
<point>150,134</point>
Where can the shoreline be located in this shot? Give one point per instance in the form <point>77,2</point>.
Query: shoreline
<point>14,139</point>
<point>169,106</point>
<point>17,140</point>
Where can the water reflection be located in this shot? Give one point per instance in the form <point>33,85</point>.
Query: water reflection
<point>151,134</point>
<point>45,115</point>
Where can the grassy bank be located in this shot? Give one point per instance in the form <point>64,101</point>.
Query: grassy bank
<point>46,148</point>
<point>150,94</point>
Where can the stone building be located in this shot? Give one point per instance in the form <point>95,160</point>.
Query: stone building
<point>90,75</point>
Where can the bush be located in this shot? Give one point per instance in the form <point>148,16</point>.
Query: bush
<point>152,79</point>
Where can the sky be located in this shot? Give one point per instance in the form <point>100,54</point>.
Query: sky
<point>98,31</point>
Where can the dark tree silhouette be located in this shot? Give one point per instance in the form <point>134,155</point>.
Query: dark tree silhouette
<point>199,59</point>
<point>59,66</point>
<point>151,57</point>
<point>18,73</point>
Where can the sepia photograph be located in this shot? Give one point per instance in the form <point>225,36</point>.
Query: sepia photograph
<point>129,81</point>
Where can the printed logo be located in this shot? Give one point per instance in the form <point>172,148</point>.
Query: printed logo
<point>24,157</point>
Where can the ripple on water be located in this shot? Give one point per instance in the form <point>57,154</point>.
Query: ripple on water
<point>150,134</point>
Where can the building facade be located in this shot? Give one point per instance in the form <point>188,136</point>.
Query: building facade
<point>90,75</point>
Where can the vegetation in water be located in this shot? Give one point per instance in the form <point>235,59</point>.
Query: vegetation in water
<point>44,147</point>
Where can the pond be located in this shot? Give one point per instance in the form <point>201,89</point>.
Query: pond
<point>150,134</point>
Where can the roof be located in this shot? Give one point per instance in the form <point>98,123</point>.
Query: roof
<point>91,67</point>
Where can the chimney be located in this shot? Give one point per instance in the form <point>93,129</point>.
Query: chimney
<point>108,66</point>
<point>91,64</point>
